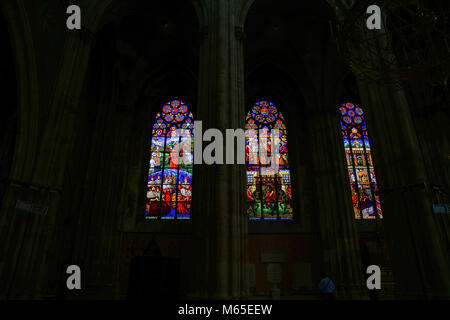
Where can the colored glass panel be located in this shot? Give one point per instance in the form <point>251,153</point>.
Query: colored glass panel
<point>363,184</point>
<point>269,195</point>
<point>169,187</point>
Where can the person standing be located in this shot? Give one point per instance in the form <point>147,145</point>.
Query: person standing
<point>326,287</point>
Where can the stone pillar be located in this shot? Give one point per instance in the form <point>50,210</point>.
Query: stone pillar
<point>219,241</point>
<point>97,240</point>
<point>334,210</point>
<point>341,256</point>
<point>417,246</point>
<point>431,116</point>
<point>20,232</point>
<point>27,255</point>
<point>418,251</point>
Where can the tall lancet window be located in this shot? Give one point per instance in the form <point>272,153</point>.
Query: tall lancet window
<point>169,187</point>
<point>269,195</point>
<point>363,182</point>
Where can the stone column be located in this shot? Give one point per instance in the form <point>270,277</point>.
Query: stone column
<point>219,242</point>
<point>418,251</point>
<point>27,238</point>
<point>97,240</point>
<point>334,210</point>
<point>418,248</point>
<point>22,234</point>
<point>341,256</point>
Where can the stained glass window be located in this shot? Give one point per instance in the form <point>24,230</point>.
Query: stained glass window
<point>169,187</point>
<point>363,182</point>
<point>269,193</point>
